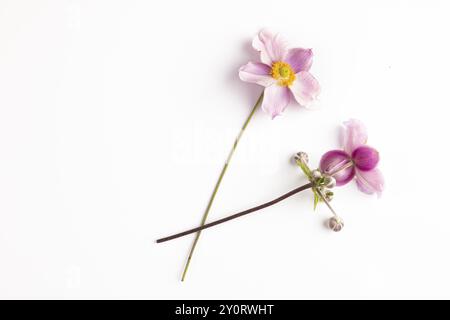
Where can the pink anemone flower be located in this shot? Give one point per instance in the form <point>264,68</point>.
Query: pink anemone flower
<point>355,160</point>
<point>283,72</point>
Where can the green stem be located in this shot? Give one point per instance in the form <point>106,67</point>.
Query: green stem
<point>219,181</point>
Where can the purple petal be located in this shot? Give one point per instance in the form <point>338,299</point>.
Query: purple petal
<point>256,72</point>
<point>370,182</point>
<point>273,48</point>
<point>353,135</point>
<point>276,99</point>
<point>365,158</point>
<point>336,163</point>
<point>305,88</point>
<point>299,59</point>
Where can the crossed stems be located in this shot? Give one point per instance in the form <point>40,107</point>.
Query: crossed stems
<point>309,185</point>
<point>237,215</point>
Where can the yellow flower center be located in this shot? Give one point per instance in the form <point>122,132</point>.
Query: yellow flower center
<point>283,72</point>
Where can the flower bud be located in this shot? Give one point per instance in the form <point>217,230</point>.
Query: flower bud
<point>336,223</point>
<point>330,182</point>
<point>316,174</point>
<point>329,195</point>
<point>301,157</point>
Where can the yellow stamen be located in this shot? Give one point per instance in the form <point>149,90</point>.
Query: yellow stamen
<point>283,72</point>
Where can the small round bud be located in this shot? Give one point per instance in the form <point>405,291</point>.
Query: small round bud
<point>316,174</point>
<point>301,157</point>
<point>330,182</point>
<point>329,196</point>
<point>336,224</point>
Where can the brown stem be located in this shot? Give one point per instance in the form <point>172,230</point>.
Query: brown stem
<point>237,215</point>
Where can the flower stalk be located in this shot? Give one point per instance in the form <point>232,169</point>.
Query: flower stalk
<point>216,187</point>
<point>319,183</point>
<point>237,215</point>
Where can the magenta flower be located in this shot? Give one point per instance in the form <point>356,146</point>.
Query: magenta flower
<point>282,71</point>
<point>337,167</point>
<point>355,160</point>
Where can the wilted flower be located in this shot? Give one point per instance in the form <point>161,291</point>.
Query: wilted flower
<point>355,160</point>
<point>337,167</point>
<point>282,71</point>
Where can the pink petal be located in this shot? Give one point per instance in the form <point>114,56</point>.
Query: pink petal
<point>273,48</point>
<point>276,99</point>
<point>370,182</point>
<point>299,59</point>
<point>365,158</point>
<point>305,88</point>
<point>336,162</point>
<point>256,72</point>
<point>353,135</point>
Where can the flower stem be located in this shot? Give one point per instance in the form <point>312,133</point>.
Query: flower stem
<point>324,199</point>
<point>237,215</point>
<point>219,181</point>
<point>333,173</point>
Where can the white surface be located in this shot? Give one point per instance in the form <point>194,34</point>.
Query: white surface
<point>116,117</point>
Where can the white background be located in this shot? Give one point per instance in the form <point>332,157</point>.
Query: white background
<point>116,118</point>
